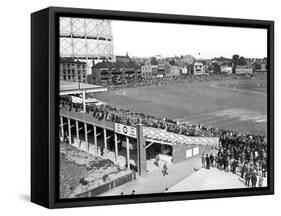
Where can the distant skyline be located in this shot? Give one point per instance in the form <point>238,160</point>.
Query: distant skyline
<point>146,39</point>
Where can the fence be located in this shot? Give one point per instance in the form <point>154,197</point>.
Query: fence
<point>107,186</point>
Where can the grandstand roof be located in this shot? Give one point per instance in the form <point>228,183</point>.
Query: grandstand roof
<point>67,87</point>
<point>168,138</point>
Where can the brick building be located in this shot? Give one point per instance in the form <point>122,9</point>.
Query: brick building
<point>115,72</point>
<point>73,70</point>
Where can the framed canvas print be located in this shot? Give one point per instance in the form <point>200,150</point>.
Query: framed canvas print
<point>138,107</point>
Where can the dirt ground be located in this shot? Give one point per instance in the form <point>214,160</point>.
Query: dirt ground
<point>81,171</point>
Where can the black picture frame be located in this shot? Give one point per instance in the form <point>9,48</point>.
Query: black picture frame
<point>44,105</point>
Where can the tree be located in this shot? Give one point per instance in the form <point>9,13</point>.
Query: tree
<point>235,59</point>
<point>238,60</point>
<point>242,61</point>
<point>216,68</point>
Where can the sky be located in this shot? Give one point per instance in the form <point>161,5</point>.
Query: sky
<point>145,39</point>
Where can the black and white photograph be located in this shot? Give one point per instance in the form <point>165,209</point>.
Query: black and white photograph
<point>150,107</point>
<point>140,108</point>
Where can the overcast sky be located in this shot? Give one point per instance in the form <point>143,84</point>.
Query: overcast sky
<point>144,39</point>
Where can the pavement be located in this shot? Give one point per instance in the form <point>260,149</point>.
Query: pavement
<point>184,176</point>
<point>155,182</point>
<point>208,179</point>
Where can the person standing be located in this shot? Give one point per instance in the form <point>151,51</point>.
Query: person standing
<point>263,168</point>
<point>207,162</point>
<point>227,164</point>
<point>220,160</point>
<point>260,181</point>
<point>254,179</point>
<point>224,162</point>
<point>216,161</point>
<point>212,160</point>
<point>165,169</point>
<point>247,177</point>
<point>244,169</point>
<point>203,160</point>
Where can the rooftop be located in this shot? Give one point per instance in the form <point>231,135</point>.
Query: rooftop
<point>162,136</point>
<point>67,87</point>
<point>118,64</point>
<point>70,60</point>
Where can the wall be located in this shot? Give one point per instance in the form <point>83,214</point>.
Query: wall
<point>179,152</point>
<point>243,70</point>
<point>15,139</point>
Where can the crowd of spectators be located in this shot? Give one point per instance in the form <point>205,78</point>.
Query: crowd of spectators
<point>244,155</point>
<point>158,81</point>
<point>124,116</point>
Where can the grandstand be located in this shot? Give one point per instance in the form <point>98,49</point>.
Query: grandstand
<point>147,141</point>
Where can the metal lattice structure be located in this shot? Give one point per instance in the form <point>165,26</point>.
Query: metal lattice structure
<point>86,39</point>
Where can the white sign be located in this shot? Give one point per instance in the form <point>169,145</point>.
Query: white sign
<point>188,153</point>
<point>76,99</point>
<point>126,130</point>
<point>196,151</point>
<point>91,100</point>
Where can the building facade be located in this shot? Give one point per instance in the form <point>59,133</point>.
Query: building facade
<point>115,72</point>
<point>173,71</point>
<point>226,69</point>
<point>244,69</point>
<point>73,70</point>
<point>260,68</point>
<point>188,59</point>
<point>146,71</point>
<point>198,68</point>
<point>124,59</point>
<point>149,71</point>
<point>154,69</point>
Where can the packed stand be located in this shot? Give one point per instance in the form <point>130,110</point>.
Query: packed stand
<point>244,155</point>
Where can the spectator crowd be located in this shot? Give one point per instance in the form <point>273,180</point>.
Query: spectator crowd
<point>244,155</point>
<point>127,117</point>
<point>158,81</point>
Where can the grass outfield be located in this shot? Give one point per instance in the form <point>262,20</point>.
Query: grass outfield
<point>239,105</point>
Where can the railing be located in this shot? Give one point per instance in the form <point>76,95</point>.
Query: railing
<point>88,118</point>
<point>107,186</point>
